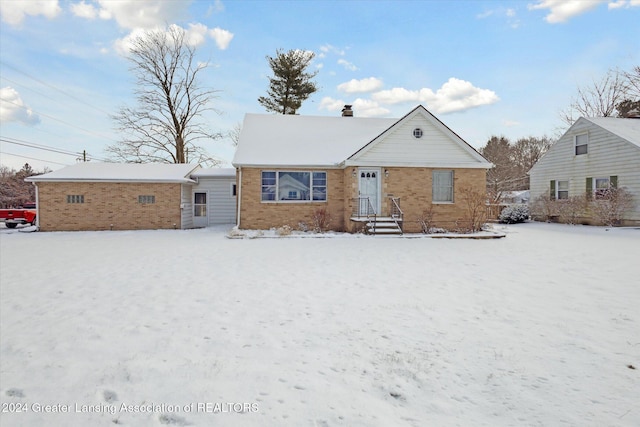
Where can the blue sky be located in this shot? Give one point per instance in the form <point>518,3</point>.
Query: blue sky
<point>482,67</point>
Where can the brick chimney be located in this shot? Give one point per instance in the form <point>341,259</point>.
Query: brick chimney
<point>347,111</point>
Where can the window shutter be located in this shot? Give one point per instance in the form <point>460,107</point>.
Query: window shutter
<point>552,190</point>
<point>613,181</point>
<point>589,188</point>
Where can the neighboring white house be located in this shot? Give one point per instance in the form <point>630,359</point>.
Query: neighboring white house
<point>594,154</point>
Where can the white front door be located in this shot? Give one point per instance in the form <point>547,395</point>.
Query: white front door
<point>200,209</point>
<point>369,186</point>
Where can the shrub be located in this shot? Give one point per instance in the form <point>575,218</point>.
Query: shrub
<point>426,220</point>
<point>514,214</point>
<point>475,204</point>
<point>610,207</point>
<point>321,219</point>
<point>285,230</point>
<point>572,208</point>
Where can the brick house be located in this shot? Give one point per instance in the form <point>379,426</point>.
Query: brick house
<point>111,196</point>
<point>289,167</point>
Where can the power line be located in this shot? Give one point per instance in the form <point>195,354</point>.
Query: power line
<point>33,158</point>
<point>58,120</point>
<point>50,86</point>
<point>28,144</point>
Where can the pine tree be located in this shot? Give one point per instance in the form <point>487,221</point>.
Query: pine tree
<point>290,84</point>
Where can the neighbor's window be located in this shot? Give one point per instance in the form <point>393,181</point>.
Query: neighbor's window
<point>442,186</point>
<point>146,199</point>
<point>582,142</point>
<point>294,186</point>
<point>601,187</point>
<point>75,198</point>
<point>234,190</point>
<point>562,190</point>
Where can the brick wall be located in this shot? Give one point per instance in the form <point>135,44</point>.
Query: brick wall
<point>258,215</point>
<point>107,204</point>
<point>412,185</point>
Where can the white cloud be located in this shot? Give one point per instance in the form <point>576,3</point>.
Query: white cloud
<point>195,35</point>
<point>348,65</point>
<point>331,104</point>
<point>620,4</point>
<point>563,10</point>
<point>84,10</point>
<point>368,108</point>
<point>454,95</point>
<point>510,123</point>
<point>484,15</point>
<point>222,37</point>
<point>365,85</point>
<point>134,14</point>
<point>361,107</point>
<point>13,12</point>
<point>327,48</point>
<point>13,109</point>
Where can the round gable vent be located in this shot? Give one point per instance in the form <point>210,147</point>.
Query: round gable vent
<point>417,133</point>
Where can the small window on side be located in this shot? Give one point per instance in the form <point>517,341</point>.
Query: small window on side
<point>582,144</point>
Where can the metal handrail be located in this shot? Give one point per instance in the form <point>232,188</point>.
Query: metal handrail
<point>396,212</point>
<point>363,207</point>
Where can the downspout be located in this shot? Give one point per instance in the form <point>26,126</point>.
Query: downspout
<point>37,208</point>
<point>239,196</point>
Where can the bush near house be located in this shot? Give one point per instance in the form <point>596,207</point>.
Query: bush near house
<point>514,214</point>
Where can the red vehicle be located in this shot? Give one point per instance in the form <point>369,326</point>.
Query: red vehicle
<point>13,217</point>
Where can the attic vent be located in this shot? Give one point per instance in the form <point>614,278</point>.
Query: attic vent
<point>417,133</point>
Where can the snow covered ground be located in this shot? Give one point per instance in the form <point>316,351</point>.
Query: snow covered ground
<point>156,328</point>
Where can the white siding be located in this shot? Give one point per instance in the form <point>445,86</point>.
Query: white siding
<point>221,202</point>
<point>608,155</point>
<point>186,209</point>
<point>436,147</point>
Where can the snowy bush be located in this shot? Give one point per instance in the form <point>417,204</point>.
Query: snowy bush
<point>514,214</point>
<point>321,220</point>
<point>285,230</point>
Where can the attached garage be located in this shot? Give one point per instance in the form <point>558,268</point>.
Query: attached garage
<point>111,196</point>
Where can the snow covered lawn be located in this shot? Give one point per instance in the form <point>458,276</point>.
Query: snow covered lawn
<point>154,328</point>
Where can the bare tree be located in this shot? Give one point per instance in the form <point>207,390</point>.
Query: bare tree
<point>234,134</point>
<point>601,98</point>
<point>167,121</point>
<point>500,176</point>
<point>525,153</point>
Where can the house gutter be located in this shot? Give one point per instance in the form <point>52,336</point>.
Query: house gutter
<point>239,196</point>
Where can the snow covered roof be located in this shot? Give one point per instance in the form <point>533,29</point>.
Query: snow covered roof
<point>628,129</point>
<point>215,172</point>
<point>282,140</point>
<point>120,172</point>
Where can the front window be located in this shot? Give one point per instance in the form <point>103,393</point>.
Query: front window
<point>442,186</point>
<point>294,186</point>
<point>582,143</point>
<point>602,186</point>
<point>562,189</point>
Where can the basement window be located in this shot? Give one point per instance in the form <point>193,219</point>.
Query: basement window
<point>75,198</point>
<point>146,199</point>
